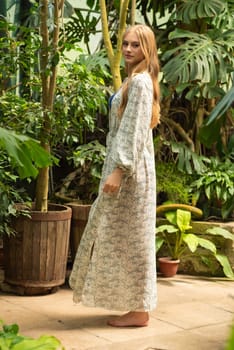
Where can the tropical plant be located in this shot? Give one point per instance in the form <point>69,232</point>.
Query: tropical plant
<point>11,339</point>
<point>20,158</point>
<point>223,110</point>
<point>196,51</point>
<point>82,24</point>
<point>25,154</point>
<point>83,182</point>
<point>213,189</point>
<point>43,40</point>
<point>180,241</point>
<point>10,195</point>
<point>79,99</point>
<point>172,184</point>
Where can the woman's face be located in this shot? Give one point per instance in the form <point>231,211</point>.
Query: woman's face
<point>131,49</point>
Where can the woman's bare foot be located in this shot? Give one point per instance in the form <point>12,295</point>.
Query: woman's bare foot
<point>131,319</point>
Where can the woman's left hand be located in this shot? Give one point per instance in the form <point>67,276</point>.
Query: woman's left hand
<point>113,181</point>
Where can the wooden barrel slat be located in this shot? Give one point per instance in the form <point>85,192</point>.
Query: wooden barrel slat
<point>80,214</point>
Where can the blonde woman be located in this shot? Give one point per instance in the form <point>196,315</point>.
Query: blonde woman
<point>115,264</point>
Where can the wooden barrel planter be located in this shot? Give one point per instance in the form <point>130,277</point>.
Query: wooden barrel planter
<point>80,214</point>
<point>35,259</point>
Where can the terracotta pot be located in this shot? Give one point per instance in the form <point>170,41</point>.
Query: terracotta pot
<point>168,267</point>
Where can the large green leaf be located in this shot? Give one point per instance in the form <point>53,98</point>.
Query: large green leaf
<point>193,9</point>
<point>183,219</point>
<point>200,58</point>
<point>210,133</point>
<point>221,107</point>
<point>45,342</point>
<point>204,243</point>
<point>26,154</point>
<point>168,228</point>
<point>219,231</point>
<point>159,243</point>
<point>192,241</point>
<point>223,260</point>
<point>188,160</point>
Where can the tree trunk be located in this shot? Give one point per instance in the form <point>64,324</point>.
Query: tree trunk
<point>114,57</point>
<point>47,54</point>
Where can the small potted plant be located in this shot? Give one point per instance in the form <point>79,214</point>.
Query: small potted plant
<point>179,240</point>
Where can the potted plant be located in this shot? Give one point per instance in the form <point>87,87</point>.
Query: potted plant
<point>30,270</point>
<point>179,240</point>
<point>19,158</point>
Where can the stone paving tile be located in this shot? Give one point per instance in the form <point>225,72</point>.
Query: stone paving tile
<point>216,333</point>
<point>206,338</point>
<point>181,340</point>
<point>73,339</point>
<point>26,319</point>
<point>133,333</point>
<point>192,314</point>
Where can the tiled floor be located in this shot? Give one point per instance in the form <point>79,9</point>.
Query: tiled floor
<point>192,314</point>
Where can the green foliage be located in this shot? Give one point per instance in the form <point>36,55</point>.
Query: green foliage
<point>186,160</point>
<point>79,98</point>
<point>90,156</point>
<point>172,184</point>
<point>83,183</point>
<point>206,58</point>
<point>214,188</point>
<point>221,107</point>
<point>230,342</point>
<point>25,153</point>
<point>180,241</point>
<point>20,114</point>
<point>10,339</point>
<point>9,195</point>
<point>8,54</point>
<point>196,54</point>
<point>191,9</point>
<point>81,25</point>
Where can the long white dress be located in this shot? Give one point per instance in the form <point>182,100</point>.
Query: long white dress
<point>115,264</point>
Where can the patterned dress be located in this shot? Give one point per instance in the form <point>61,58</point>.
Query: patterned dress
<point>115,264</point>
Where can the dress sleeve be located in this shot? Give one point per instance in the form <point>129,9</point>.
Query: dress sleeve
<point>135,124</point>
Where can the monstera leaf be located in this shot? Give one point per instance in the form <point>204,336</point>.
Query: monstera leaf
<point>191,9</point>
<point>200,57</point>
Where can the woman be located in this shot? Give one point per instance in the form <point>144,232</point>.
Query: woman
<point>115,263</point>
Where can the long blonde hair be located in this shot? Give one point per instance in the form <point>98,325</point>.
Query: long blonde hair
<point>150,63</point>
